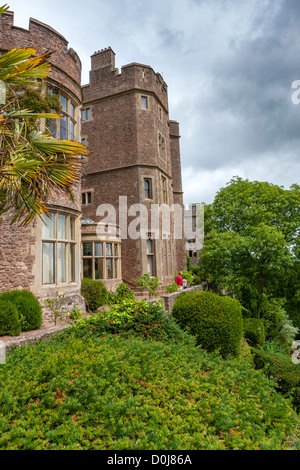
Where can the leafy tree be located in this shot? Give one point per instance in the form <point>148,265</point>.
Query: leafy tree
<point>31,164</point>
<point>252,235</point>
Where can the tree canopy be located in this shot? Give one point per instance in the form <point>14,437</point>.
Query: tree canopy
<point>251,245</point>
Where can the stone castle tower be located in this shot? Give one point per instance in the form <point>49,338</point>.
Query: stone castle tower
<point>46,258</point>
<point>135,154</point>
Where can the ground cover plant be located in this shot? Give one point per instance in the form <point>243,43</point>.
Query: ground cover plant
<point>134,317</point>
<point>105,391</point>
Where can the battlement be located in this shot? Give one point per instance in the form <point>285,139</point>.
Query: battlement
<point>106,79</point>
<point>44,39</point>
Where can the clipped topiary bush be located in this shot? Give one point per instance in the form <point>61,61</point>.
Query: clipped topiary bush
<point>216,321</point>
<point>95,293</point>
<point>9,319</point>
<point>254,331</point>
<point>28,306</point>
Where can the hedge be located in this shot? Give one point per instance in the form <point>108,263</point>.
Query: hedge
<point>28,306</point>
<point>216,321</point>
<point>9,319</point>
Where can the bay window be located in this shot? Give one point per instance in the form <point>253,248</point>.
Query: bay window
<point>101,260</point>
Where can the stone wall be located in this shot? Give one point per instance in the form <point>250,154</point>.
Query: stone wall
<point>123,138</point>
<point>66,65</point>
<point>21,247</point>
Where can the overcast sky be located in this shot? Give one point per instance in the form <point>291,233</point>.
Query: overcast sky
<point>229,66</point>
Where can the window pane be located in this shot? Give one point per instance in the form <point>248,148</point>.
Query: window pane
<point>63,128</point>
<point>87,267</point>
<point>89,198</point>
<point>64,103</point>
<point>51,125</point>
<point>144,102</point>
<point>72,228</point>
<point>72,263</point>
<point>116,271</point>
<point>61,226</point>
<point>48,226</point>
<point>98,268</point>
<point>150,265</point>
<point>61,262</point>
<point>109,267</point>
<point>149,246</point>
<point>98,249</point>
<point>83,114</point>
<point>87,249</point>
<point>147,189</point>
<point>72,110</point>
<point>88,114</point>
<point>71,130</point>
<point>83,198</point>
<point>108,249</point>
<point>116,249</point>
<point>48,263</point>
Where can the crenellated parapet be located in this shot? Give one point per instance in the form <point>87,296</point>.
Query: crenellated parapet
<point>66,65</point>
<point>107,80</point>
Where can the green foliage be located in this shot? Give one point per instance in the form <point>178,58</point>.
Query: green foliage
<point>28,306</point>
<point>9,319</point>
<point>134,317</point>
<point>254,331</point>
<point>288,331</point>
<point>95,293</point>
<point>148,283</point>
<point>251,243</point>
<point>171,288</point>
<point>216,321</point>
<point>279,366</point>
<point>122,292</point>
<point>75,313</point>
<point>38,99</point>
<point>273,316</point>
<point>112,392</point>
<point>57,305</point>
<point>245,352</point>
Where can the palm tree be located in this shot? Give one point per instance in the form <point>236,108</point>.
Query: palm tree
<point>32,164</point>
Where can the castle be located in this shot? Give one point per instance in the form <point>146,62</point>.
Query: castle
<point>133,166</point>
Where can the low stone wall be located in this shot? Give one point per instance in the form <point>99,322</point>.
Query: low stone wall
<point>30,337</point>
<point>46,332</point>
<point>169,299</point>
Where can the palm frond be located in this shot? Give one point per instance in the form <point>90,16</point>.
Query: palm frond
<point>4,8</point>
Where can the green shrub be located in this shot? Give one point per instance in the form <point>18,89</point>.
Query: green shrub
<point>137,318</point>
<point>9,319</point>
<point>245,352</point>
<point>280,367</point>
<point>254,331</point>
<point>171,288</point>
<point>28,306</point>
<point>273,315</point>
<point>95,293</point>
<point>216,321</point>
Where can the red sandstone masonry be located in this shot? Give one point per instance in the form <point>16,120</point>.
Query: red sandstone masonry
<point>123,139</point>
<point>66,65</point>
<point>20,247</point>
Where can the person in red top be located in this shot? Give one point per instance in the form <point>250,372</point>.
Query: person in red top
<point>179,280</point>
